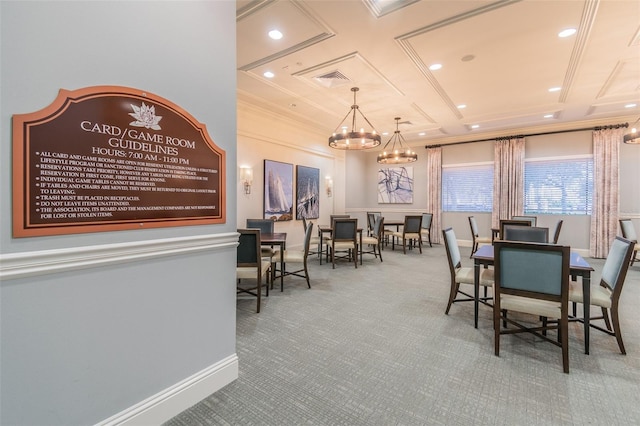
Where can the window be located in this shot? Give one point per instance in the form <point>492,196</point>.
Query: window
<point>467,188</point>
<point>558,186</point>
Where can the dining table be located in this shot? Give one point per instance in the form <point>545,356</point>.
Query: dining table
<point>276,239</point>
<point>578,267</point>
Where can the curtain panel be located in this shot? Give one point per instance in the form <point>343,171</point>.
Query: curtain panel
<point>606,184</point>
<point>434,192</point>
<point>508,180</point>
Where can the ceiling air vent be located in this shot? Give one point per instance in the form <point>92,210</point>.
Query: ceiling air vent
<point>332,79</point>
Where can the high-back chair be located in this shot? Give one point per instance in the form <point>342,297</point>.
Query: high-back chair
<point>344,238</point>
<point>338,216</point>
<point>629,233</point>
<point>426,226</point>
<point>533,279</point>
<point>504,222</point>
<point>607,295</point>
<point>371,221</point>
<point>410,233</point>
<point>477,239</point>
<point>298,257</point>
<point>374,240</point>
<point>264,225</point>
<point>315,242</point>
<point>556,234</point>
<point>532,219</point>
<point>531,234</point>
<point>250,265</point>
<point>462,275</point>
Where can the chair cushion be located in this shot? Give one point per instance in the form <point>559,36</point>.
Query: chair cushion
<point>483,240</point>
<point>408,236</point>
<point>424,231</point>
<point>294,256</point>
<point>531,306</point>
<point>267,251</point>
<point>343,245</point>
<point>247,272</point>
<point>600,296</point>
<point>465,276</point>
<point>369,240</point>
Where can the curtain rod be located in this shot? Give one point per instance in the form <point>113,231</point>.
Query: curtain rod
<point>596,128</point>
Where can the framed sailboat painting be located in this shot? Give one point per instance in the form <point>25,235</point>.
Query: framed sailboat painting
<point>307,193</point>
<point>278,190</point>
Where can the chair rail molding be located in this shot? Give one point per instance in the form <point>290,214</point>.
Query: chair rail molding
<point>33,263</point>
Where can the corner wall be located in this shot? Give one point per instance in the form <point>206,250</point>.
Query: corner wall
<point>130,326</point>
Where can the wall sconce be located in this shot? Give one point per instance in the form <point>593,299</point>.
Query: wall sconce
<point>246,176</point>
<point>328,182</point>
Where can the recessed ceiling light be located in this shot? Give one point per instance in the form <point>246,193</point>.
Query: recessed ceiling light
<point>435,67</point>
<point>421,134</point>
<point>555,89</point>
<point>462,106</point>
<point>268,74</point>
<point>385,133</point>
<point>275,34</point>
<point>567,33</point>
<point>475,126</point>
<point>548,116</point>
<point>631,105</point>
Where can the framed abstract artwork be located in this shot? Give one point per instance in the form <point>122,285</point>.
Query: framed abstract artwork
<point>278,190</point>
<point>395,185</point>
<point>307,193</point>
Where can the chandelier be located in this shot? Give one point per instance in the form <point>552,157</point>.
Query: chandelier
<point>360,139</point>
<point>632,136</point>
<point>398,155</point>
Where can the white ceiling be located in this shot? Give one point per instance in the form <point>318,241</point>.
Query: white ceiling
<point>498,57</point>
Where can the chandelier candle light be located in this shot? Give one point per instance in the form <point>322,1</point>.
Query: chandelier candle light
<point>398,155</point>
<point>360,139</point>
<point>633,136</point>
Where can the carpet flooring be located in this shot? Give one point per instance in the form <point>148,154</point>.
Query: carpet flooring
<point>372,346</point>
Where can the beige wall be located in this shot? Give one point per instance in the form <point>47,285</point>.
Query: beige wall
<point>263,135</point>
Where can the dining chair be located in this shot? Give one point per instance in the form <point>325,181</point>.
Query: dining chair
<point>531,219</point>
<point>375,240</point>
<point>344,238</point>
<point>426,226</point>
<point>298,257</point>
<point>504,222</point>
<point>250,265</point>
<point>556,234</point>
<point>315,241</point>
<point>338,216</point>
<point>629,232</point>
<point>532,279</point>
<point>462,274</point>
<point>477,240</point>
<point>265,226</point>
<point>531,234</point>
<point>607,295</point>
<point>410,233</point>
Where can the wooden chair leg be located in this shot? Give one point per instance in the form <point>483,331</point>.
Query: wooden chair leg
<point>616,330</point>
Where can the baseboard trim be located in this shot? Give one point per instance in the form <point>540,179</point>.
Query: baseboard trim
<point>170,402</point>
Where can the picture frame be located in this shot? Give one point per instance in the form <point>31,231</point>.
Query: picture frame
<point>307,192</point>
<point>395,185</point>
<point>278,191</point>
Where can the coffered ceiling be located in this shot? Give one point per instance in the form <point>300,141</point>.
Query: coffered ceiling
<point>499,58</point>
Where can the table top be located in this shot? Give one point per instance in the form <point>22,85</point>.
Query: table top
<point>575,261</point>
<point>276,237</point>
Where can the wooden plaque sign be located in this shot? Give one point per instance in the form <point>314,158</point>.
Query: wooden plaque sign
<point>110,158</point>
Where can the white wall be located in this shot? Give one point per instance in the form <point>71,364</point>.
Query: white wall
<point>94,324</point>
